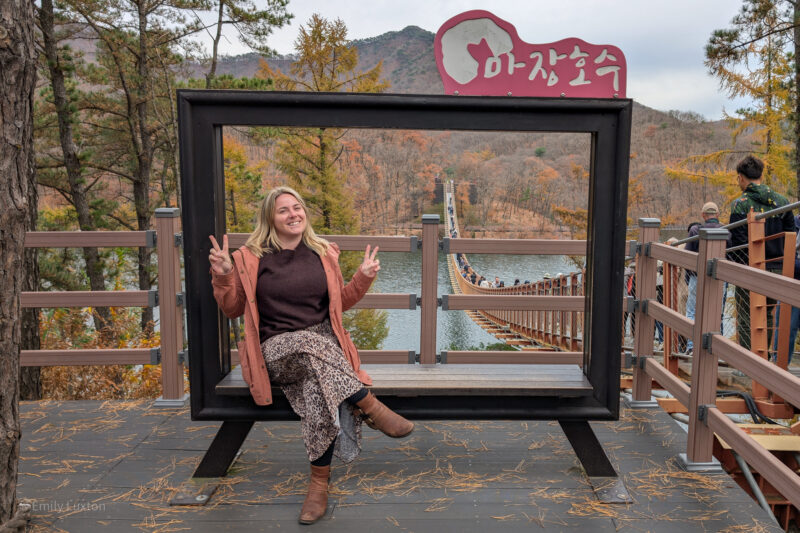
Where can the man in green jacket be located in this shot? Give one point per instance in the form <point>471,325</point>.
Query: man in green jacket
<point>759,198</point>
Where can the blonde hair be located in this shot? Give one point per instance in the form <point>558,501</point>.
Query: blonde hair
<point>264,238</point>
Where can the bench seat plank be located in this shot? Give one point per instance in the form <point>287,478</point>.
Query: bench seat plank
<point>456,380</point>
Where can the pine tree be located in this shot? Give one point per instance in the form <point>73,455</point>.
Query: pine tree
<point>751,59</point>
<point>308,156</point>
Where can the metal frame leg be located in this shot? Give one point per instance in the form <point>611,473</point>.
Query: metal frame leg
<point>604,480</point>
<point>588,449</point>
<point>224,448</point>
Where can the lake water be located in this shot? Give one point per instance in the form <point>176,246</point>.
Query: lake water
<point>401,272</point>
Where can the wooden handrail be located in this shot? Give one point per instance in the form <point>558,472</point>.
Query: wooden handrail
<point>674,256</point>
<point>454,302</point>
<point>772,285</point>
<point>670,318</point>
<point>780,381</point>
<point>668,380</point>
<point>516,246</point>
<point>387,301</point>
<point>103,356</point>
<point>348,242</point>
<point>780,476</point>
<point>90,239</point>
<point>88,299</point>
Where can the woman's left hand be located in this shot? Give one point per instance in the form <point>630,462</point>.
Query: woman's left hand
<point>370,266</point>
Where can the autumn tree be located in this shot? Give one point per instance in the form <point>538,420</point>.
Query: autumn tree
<point>242,188</point>
<point>17,78</point>
<point>751,60</point>
<point>326,62</point>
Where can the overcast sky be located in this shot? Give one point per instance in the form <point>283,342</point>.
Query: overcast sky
<point>662,40</point>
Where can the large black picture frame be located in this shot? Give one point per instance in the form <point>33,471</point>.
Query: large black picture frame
<point>203,113</point>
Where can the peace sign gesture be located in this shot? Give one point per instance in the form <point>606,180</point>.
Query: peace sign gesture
<point>219,258</point>
<point>370,266</point>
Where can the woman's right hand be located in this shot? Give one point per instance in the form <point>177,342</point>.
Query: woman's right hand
<point>219,258</point>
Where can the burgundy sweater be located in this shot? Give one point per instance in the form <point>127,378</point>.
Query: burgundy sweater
<point>291,292</point>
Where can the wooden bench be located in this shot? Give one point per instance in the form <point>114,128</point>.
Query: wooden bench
<point>445,392</point>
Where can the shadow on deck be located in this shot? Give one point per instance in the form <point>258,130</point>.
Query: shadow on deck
<point>113,466</point>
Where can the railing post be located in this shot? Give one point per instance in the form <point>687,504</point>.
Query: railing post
<point>759,336</point>
<point>430,278</point>
<point>573,320</point>
<point>708,311</point>
<point>671,281</point>
<point>645,290</point>
<point>170,314</point>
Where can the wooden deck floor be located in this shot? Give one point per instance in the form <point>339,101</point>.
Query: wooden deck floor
<point>113,466</point>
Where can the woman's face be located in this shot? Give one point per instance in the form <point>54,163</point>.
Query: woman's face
<point>290,218</point>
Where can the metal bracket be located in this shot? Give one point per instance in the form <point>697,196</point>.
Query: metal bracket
<point>412,301</point>
<point>150,238</point>
<point>702,413</point>
<point>180,299</point>
<point>633,248</point>
<point>442,357</point>
<point>178,240</point>
<point>628,359</point>
<point>155,356</point>
<point>631,304</point>
<point>195,492</point>
<point>711,268</point>
<point>647,249</point>
<point>439,303</point>
<point>415,244</point>
<point>413,357</point>
<point>444,245</point>
<point>639,361</point>
<point>443,302</point>
<point>183,357</point>
<point>707,341</point>
<point>152,298</point>
<point>643,305</point>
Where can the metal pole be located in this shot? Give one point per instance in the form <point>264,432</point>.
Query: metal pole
<point>759,216</point>
<point>762,501</point>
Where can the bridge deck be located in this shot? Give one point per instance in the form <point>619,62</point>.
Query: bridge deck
<point>113,466</point>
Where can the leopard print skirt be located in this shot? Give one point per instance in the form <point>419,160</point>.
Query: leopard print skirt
<point>312,371</point>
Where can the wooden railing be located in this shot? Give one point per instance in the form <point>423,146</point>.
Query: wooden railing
<point>171,354</point>
<point>547,311</point>
<point>168,298</point>
<point>700,396</point>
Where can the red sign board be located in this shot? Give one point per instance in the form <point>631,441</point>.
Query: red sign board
<point>480,54</point>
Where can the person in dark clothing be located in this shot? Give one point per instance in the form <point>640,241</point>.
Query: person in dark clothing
<point>795,316</point>
<point>710,214</point>
<point>759,198</point>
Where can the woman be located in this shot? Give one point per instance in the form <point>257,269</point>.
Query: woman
<point>288,285</point>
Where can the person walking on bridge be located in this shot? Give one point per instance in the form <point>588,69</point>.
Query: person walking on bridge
<point>710,214</point>
<point>287,283</point>
<point>760,198</point>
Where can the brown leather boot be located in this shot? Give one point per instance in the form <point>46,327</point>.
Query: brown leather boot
<point>317,498</point>
<point>377,416</point>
